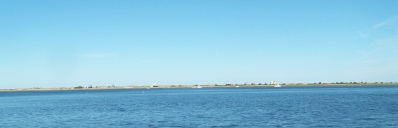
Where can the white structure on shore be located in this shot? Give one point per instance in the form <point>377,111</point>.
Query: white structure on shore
<point>155,85</point>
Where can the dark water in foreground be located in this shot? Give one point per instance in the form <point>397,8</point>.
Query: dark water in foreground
<point>206,107</point>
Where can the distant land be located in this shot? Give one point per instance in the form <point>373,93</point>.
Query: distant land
<point>90,87</point>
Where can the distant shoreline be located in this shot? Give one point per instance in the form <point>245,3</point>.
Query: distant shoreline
<point>184,86</point>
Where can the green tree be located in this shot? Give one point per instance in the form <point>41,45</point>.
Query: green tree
<point>79,87</point>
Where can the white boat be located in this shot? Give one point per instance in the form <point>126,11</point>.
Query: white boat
<point>199,86</point>
<point>277,85</point>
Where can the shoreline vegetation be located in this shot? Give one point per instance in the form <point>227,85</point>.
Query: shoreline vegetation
<point>90,87</point>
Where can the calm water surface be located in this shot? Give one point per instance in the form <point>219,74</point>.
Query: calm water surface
<point>205,107</point>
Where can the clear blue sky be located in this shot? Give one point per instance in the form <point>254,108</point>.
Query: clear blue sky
<point>58,43</point>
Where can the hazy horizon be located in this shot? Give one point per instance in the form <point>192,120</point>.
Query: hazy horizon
<point>48,43</point>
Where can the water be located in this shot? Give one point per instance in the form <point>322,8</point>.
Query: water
<point>205,107</point>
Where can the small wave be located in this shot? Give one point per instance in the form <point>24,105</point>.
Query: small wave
<point>226,126</point>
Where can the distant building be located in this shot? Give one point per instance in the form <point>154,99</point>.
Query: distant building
<point>155,85</point>
<point>272,83</point>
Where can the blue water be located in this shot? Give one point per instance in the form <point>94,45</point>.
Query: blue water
<point>205,107</point>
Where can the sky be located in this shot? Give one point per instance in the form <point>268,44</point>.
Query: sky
<point>66,43</point>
